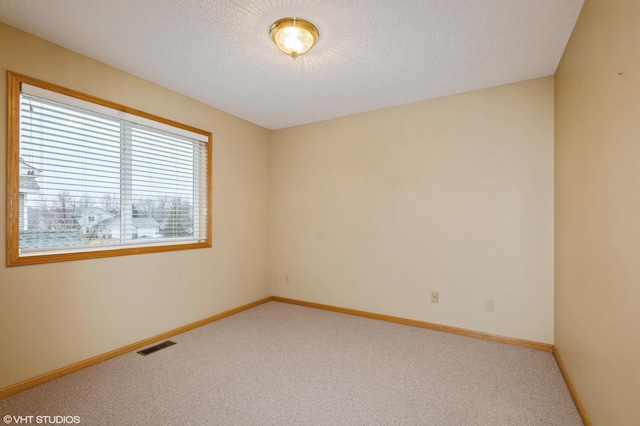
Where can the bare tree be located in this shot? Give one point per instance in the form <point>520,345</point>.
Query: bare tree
<point>111,204</point>
<point>68,209</point>
<point>145,207</point>
<point>162,205</point>
<point>177,218</point>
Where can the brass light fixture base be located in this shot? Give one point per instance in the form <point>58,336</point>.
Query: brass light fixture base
<point>294,36</point>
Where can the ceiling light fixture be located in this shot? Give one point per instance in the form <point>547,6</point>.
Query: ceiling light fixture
<point>294,36</point>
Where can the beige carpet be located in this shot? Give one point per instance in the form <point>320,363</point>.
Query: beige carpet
<point>280,364</point>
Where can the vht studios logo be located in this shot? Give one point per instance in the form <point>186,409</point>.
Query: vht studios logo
<point>41,420</point>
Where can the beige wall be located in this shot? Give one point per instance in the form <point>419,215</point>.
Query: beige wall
<point>374,211</point>
<point>598,210</point>
<point>57,314</point>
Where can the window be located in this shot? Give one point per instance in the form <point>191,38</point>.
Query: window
<point>89,178</point>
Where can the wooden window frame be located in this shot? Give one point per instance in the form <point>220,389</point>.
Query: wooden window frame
<point>14,82</point>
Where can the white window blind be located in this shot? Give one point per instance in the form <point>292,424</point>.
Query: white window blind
<point>94,178</point>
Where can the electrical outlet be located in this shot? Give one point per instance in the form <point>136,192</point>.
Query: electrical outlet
<point>286,278</point>
<point>435,297</point>
<point>488,305</point>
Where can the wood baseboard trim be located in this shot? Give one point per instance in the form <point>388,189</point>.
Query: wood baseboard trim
<point>414,323</point>
<point>43,378</point>
<point>572,389</point>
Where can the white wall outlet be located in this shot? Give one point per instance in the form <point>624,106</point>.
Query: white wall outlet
<point>435,297</point>
<point>488,305</point>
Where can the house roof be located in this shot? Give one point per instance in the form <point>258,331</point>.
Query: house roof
<point>50,238</point>
<point>144,222</point>
<point>29,184</point>
<point>28,166</point>
<point>97,211</point>
<point>138,222</point>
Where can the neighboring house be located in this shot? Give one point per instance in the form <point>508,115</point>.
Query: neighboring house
<point>92,220</point>
<point>142,228</point>
<point>145,227</point>
<point>29,191</point>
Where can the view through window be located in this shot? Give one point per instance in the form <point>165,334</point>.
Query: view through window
<point>93,178</point>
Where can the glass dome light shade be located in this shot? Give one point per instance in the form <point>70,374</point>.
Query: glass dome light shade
<point>294,36</point>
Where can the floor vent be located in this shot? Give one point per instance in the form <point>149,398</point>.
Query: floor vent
<point>156,348</point>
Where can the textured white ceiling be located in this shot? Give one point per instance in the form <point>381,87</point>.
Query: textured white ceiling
<point>371,53</point>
